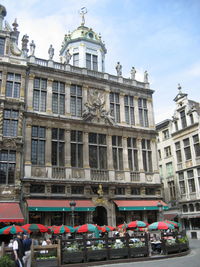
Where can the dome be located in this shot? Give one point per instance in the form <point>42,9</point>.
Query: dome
<point>83,33</point>
<point>3,11</point>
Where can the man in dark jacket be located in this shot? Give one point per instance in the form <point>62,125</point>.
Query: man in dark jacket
<point>18,250</point>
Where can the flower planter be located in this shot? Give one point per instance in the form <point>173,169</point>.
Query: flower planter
<point>138,252</point>
<point>99,254</point>
<point>172,249</point>
<point>46,262</point>
<point>74,257</point>
<point>117,253</point>
<point>184,246</point>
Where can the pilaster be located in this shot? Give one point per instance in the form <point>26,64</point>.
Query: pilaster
<point>67,149</point>
<point>49,95</point>
<point>48,147</point>
<point>67,98</point>
<point>122,112</point>
<point>3,83</point>
<point>136,111</point>
<point>30,92</point>
<point>85,151</point>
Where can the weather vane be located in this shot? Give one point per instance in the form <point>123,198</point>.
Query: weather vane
<point>83,11</point>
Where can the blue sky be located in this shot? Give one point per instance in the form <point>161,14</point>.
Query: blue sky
<point>160,36</point>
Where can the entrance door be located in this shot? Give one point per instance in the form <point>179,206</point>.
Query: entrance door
<point>100,216</point>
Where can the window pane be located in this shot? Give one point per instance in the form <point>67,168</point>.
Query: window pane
<point>93,157</point>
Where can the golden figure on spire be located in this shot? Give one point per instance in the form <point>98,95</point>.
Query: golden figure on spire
<point>83,11</point>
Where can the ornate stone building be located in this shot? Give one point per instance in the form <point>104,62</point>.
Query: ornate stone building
<point>179,162</point>
<point>88,136</point>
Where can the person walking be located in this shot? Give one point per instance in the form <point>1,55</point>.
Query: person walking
<point>27,242</point>
<point>18,250</point>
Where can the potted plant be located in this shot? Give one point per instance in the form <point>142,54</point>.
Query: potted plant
<point>118,250</point>
<point>73,254</point>
<point>97,252</point>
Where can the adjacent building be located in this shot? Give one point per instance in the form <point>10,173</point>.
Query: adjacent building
<point>72,134</point>
<point>179,163</point>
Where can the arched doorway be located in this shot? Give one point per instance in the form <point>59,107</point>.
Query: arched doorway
<point>100,216</point>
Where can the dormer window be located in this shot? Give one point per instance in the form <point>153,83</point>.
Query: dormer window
<point>76,59</point>
<point>2,46</point>
<point>183,119</point>
<point>91,62</point>
<point>191,119</point>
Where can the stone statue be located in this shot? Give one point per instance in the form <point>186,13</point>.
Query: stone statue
<point>68,57</point>
<point>32,48</point>
<point>119,69</point>
<point>100,191</point>
<point>25,45</point>
<point>82,13</point>
<point>133,72</point>
<point>146,77</point>
<point>51,52</point>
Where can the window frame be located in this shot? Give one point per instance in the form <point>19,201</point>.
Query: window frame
<point>78,144</point>
<point>129,109</point>
<point>6,163</point>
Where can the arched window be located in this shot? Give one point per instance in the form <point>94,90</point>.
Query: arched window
<point>191,207</point>
<point>185,208</point>
<point>197,206</point>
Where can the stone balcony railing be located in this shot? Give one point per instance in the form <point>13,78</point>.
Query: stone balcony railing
<point>58,173</point>
<point>99,175</point>
<point>84,71</point>
<point>135,176</point>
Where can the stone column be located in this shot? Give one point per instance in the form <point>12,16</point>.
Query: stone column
<point>82,55</point>
<point>100,67</point>
<point>68,170</point>
<point>136,112</point>
<point>110,158</point>
<point>125,159</point>
<point>30,92</point>
<point>49,95</point>
<point>48,152</point>
<point>140,160</point>
<point>1,120</point>
<point>154,155</point>
<point>86,165</point>
<point>85,96</point>
<point>107,99</point>
<point>67,99</point>
<point>150,113</point>
<point>23,84</point>
<point>3,83</point>
<point>20,124</point>
<point>27,157</point>
<point>122,112</point>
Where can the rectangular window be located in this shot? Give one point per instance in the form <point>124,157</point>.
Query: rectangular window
<point>187,149</point>
<point>150,191</point>
<point>57,189</point>
<point>159,154</point>
<point>10,122</point>
<point>77,149</point>
<point>147,155</point>
<point>76,60</point>
<point>38,145</point>
<point>97,151</point>
<point>7,166</point>
<point>37,188</point>
<point>191,184</point>
<point>135,191</point>
<point>2,45</point>
<point>161,171</point>
<point>176,125</point>
<point>129,109</point>
<point>132,153</point>
<point>120,191</point>
<point>143,112</point>
<point>115,106</point>
<point>169,169</point>
<point>39,94</point>
<point>191,119</point>
<point>182,187</point>
<point>183,119</point>
<point>91,62</point>
<point>76,100</point>
<point>58,98</point>
<point>0,79</point>
<point>178,152</point>
<point>198,173</point>
<point>172,191</point>
<point>196,145</point>
<point>166,134</point>
<point>58,147</point>
<point>117,152</point>
<point>13,85</point>
<point>167,151</point>
<point>77,190</point>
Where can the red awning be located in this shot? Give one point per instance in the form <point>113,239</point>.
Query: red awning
<point>59,205</point>
<point>139,204</point>
<point>10,212</point>
<point>170,216</point>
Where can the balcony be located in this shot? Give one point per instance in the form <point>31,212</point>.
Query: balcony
<point>58,173</point>
<point>99,175</point>
<point>135,176</point>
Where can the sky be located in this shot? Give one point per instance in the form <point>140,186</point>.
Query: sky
<point>160,36</point>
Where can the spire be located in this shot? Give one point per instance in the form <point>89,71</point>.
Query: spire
<point>15,25</point>
<point>179,88</point>
<point>83,11</point>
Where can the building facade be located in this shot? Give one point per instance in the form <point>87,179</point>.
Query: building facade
<point>179,162</point>
<point>78,134</point>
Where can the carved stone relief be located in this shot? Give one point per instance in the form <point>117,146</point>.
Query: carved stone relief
<point>119,176</point>
<point>77,173</point>
<point>38,172</point>
<point>95,108</point>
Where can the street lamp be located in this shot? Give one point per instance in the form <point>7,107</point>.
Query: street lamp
<point>72,206</point>
<point>160,209</point>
